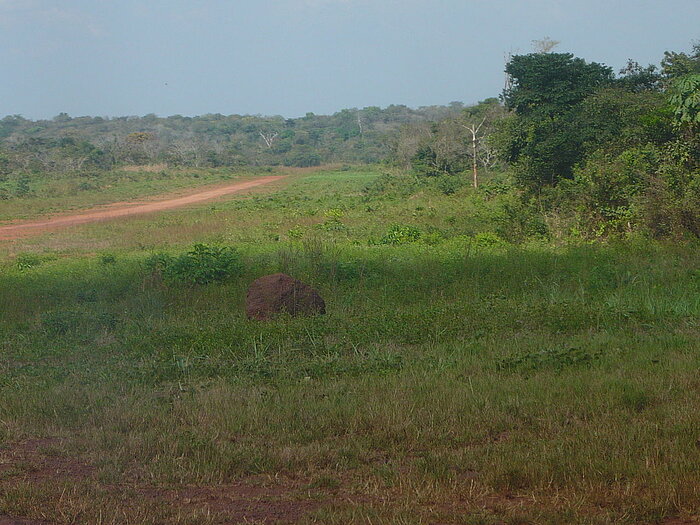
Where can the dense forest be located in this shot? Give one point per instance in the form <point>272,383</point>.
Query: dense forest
<point>65,143</point>
<point>584,152</point>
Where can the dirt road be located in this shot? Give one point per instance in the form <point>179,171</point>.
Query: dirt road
<point>27,228</point>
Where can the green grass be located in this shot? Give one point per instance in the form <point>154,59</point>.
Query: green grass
<point>451,381</point>
<point>60,192</point>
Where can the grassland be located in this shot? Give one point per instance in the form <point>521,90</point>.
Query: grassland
<point>455,379</point>
<point>29,197</point>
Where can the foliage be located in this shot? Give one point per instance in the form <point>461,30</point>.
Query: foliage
<point>203,264</point>
<point>543,139</point>
<point>549,84</point>
<point>65,144</point>
<point>450,184</point>
<point>108,259</point>
<point>303,158</point>
<point>427,163</point>
<point>488,240</point>
<point>388,184</point>
<point>23,187</point>
<point>447,147</point>
<point>675,65</point>
<point>635,78</point>
<point>27,261</point>
<point>520,219</point>
<point>615,119</point>
<point>604,156</point>
<point>685,100</point>
<point>401,234</point>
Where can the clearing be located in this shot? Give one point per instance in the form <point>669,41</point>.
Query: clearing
<point>16,230</point>
<point>457,377</point>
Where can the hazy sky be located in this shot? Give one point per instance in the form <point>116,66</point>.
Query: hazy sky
<point>287,57</point>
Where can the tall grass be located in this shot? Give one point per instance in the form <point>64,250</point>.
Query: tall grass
<point>457,382</point>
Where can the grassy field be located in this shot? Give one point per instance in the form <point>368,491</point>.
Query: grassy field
<point>456,378</point>
<point>28,197</point>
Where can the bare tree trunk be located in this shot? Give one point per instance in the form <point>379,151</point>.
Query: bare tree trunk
<point>269,138</point>
<point>474,129</point>
<point>476,171</point>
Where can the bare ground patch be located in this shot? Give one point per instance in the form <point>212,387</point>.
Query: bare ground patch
<point>41,463</point>
<point>38,459</point>
<point>244,502</point>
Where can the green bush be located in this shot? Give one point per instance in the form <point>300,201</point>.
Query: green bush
<point>27,261</point>
<point>520,220</point>
<point>157,263</point>
<point>303,158</point>
<point>203,264</point>
<point>108,259</point>
<point>398,234</point>
<point>449,184</point>
<point>487,240</point>
<point>393,185</point>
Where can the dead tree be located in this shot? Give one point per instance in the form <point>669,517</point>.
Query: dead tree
<point>544,45</point>
<point>474,130</point>
<point>269,137</point>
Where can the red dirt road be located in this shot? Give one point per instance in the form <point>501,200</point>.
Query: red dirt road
<point>27,228</point>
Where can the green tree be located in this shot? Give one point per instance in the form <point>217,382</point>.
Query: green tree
<point>685,100</point>
<point>550,84</point>
<point>543,139</point>
<point>675,65</point>
<point>635,78</point>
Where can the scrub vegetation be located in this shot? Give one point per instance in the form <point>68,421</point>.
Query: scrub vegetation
<point>510,351</point>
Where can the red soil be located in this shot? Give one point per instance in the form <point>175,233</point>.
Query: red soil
<point>27,228</point>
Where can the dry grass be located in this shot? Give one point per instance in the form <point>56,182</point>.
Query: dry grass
<point>149,168</point>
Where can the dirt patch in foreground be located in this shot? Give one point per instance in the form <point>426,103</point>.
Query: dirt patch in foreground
<point>244,502</point>
<point>45,465</point>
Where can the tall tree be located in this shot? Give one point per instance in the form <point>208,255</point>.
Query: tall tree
<point>542,139</point>
<point>553,83</point>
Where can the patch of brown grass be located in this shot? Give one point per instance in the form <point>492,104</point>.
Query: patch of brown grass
<point>148,168</point>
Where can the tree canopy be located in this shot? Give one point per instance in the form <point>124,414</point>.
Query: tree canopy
<point>549,84</point>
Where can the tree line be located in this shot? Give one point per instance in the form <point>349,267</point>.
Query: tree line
<point>594,153</point>
<point>65,143</point>
<point>587,151</point>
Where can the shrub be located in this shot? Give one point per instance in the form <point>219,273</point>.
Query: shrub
<point>108,259</point>
<point>398,234</point>
<point>449,184</point>
<point>303,158</point>
<point>157,263</point>
<point>519,220</point>
<point>27,261</point>
<point>23,188</point>
<point>203,264</point>
<point>487,240</point>
<point>393,185</point>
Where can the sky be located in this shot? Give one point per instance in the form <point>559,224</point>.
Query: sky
<point>290,57</point>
